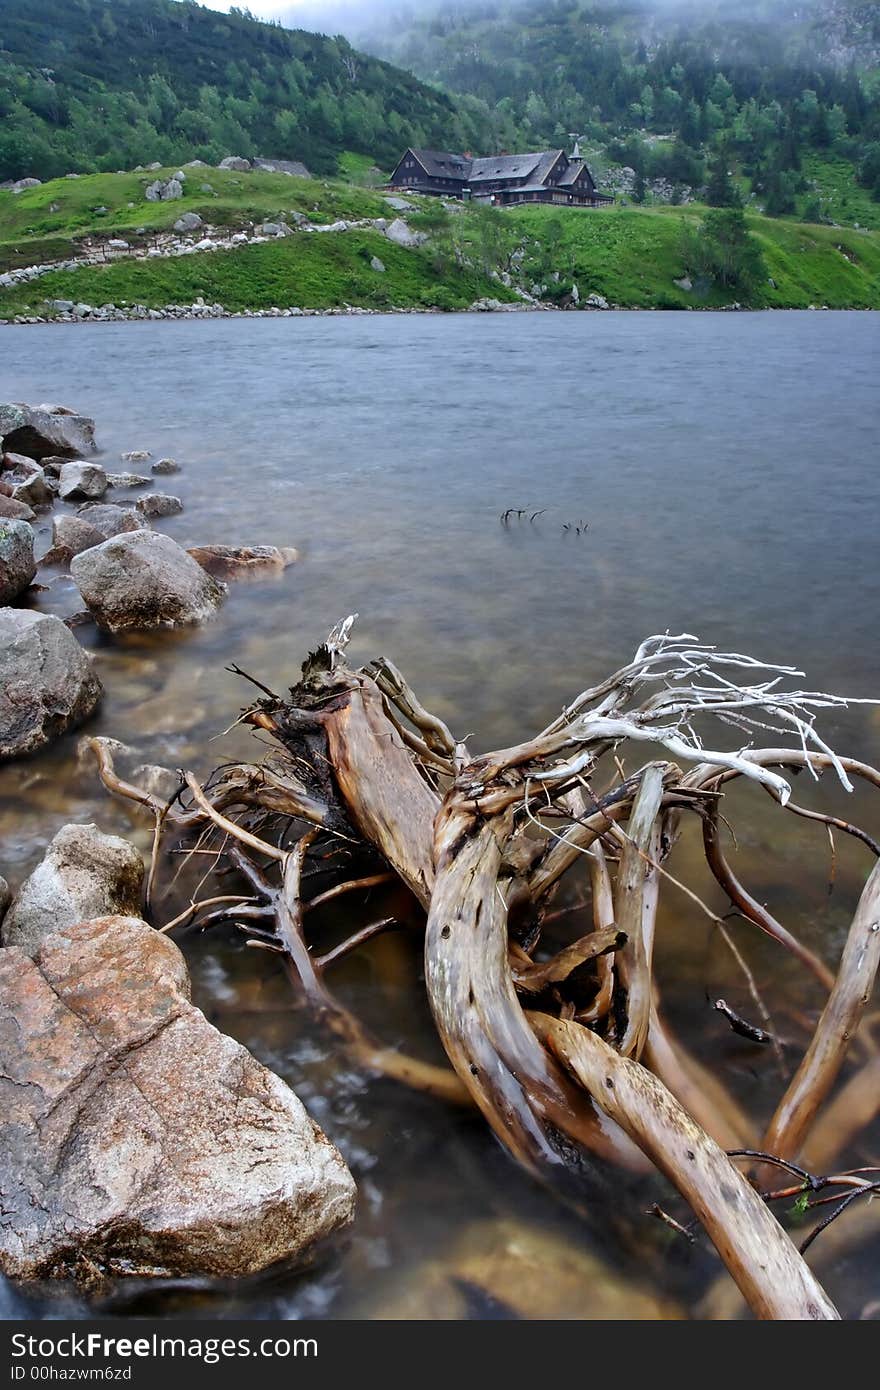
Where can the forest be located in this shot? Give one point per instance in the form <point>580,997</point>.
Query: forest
<point>664,90</point>
<point>90,86</point>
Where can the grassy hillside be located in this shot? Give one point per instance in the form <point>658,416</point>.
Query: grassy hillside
<point>632,256</point>
<point>45,223</point>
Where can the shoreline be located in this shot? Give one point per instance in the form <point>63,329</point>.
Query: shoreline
<point>174,315</point>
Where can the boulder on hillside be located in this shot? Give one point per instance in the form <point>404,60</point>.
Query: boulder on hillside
<point>47,684</point>
<point>188,222</point>
<point>83,874</point>
<point>17,564</point>
<point>244,561</point>
<point>81,482</point>
<point>47,429</point>
<point>134,1137</point>
<point>144,580</point>
<point>403,235</point>
<point>163,190</point>
<point>234,161</point>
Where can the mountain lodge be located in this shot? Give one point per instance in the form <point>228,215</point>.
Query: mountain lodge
<point>546,176</point>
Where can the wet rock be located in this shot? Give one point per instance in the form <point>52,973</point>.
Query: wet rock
<point>17,564</point>
<point>53,464</point>
<point>144,580</point>
<point>512,1269</point>
<point>13,510</point>
<point>47,684</point>
<point>13,463</point>
<point>596,301</point>
<point>70,536</point>
<point>136,456</point>
<point>84,874</point>
<point>188,222</point>
<point>159,504</point>
<point>165,466</point>
<point>243,561</point>
<point>110,519</point>
<point>159,781</point>
<point>137,1138</point>
<point>5,897</point>
<point>30,487</point>
<point>403,235</point>
<point>234,161</point>
<point>128,479</point>
<point>81,481</point>
<point>41,430</point>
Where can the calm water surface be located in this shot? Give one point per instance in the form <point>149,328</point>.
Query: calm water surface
<point>723,470</point>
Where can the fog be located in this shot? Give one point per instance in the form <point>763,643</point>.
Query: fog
<point>362,17</point>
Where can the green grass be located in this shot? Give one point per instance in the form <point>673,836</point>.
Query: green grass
<point>841,197</point>
<point>317,271</point>
<point>632,256</point>
<point>44,223</point>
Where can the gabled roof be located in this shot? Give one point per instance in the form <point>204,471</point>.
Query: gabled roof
<point>505,166</point>
<point>441,164</point>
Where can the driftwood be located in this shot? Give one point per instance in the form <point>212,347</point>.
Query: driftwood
<point>564,1052</point>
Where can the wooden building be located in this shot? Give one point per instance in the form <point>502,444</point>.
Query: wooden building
<point>547,176</point>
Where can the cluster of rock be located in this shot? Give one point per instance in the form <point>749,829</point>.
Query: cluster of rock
<point>134,1137</point>
<point>129,577</point>
<point>621,182</point>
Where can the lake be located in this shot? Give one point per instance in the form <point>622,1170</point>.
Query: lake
<point>710,473</point>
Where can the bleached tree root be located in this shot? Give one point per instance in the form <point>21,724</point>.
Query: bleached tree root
<point>545,1044</point>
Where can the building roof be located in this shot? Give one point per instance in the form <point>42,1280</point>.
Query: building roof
<point>441,164</point>
<point>503,166</point>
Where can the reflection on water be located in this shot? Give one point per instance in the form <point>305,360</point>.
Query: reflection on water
<point>725,467</point>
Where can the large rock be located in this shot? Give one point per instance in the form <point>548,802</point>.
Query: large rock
<point>244,561</point>
<point>81,481</point>
<point>134,1136</point>
<point>17,564</point>
<point>45,429</point>
<point>83,874</point>
<point>234,161</point>
<point>110,519</point>
<point>188,222</point>
<point>47,684</point>
<point>403,235</point>
<point>70,535</point>
<point>144,580</point>
<point>159,504</point>
<point>11,509</point>
<point>28,484</point>
<point>5,897</point>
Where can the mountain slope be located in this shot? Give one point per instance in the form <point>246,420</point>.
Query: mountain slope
<point>93,85</point>
<point>665,89</point>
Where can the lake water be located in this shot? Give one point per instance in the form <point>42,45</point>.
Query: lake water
<point>712,473</point>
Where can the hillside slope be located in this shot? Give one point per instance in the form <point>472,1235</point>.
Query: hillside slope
<point>108,84</point>
<point>632,257</point>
